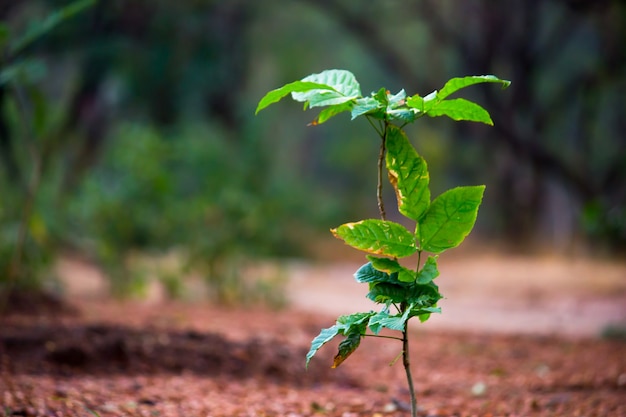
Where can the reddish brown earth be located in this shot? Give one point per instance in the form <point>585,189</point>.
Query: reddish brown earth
<point>174,359</point>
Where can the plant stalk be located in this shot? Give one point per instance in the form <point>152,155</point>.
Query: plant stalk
<point>407,368</point>
<point>379,188</point>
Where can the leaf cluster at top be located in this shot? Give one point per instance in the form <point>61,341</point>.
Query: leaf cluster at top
<point>339,91</point>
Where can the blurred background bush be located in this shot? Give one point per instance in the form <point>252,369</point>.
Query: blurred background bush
<point>127,128</point>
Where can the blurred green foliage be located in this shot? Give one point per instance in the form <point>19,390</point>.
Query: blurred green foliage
<point>129,128</point>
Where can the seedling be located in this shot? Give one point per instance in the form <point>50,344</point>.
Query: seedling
<point>440,224</point>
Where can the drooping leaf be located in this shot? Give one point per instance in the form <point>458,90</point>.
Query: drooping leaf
<point>325,336</point>
<point>346,348</point>
<point>456,84</point>
<point>450,218</point>
<point>429,272</point>
<point>276,95</point>
<point>344,85</point>
<point>391,266</point>
<point>379,237</point>
<point>408,174</point>
<point>461,109</point>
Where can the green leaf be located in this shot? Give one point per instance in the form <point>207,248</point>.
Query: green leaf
<point>456,84</point>
<point>353,323</point>
<point>385,320</point>
<point>461,109</point>
<point>331,111</point>
<point>387,293</point>
<point>367,273</point>
<point>408,174</point>
<point>325,336</point>
<point>344,88</point>
<point>38,29</point>
<point>429,272</point>
<point>421,312</point>
<point>424,295</point>
<point>379,237</point>
<point>391,266</point>
<point>416,102</point>
<point>346,348</point>
<point>276,95</point>
<point>450,218</point>
<point>365,105</point>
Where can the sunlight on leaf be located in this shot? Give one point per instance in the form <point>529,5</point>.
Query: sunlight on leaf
<point>450,218</point>
<point>378,237</point>
<point>276,95</point>
<point>408,174</point>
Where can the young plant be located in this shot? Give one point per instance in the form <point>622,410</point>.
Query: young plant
<point>440,224</point>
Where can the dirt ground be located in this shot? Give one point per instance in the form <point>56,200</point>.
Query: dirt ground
<point>518,336</point>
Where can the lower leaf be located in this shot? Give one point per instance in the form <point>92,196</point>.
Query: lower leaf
<point>325,336</point>
<point>346,348</point>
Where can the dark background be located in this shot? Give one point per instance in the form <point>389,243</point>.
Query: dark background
<point>131,129</point>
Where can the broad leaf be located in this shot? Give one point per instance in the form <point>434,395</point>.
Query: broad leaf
<point>418,294</point>
<point>346,325</point>
<point>450,218</point>
<point>391,266</point>
<point>353,323</point>
<point>408,174</point>
<point>461,109</point>
<point>456,84</point>
<point>385,320</point>
<point>384,293</point>
<point>429,272</point>
<point>346,348</point>
<point>379,237</point>
<point>368,274</point>
<point>276,95</point>
<point>325,336</point>
<point>344,88</point>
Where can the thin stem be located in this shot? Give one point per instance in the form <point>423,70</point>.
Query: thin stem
<point>379,188</point>
<point>383,337</point>
<point>419,261</point>
<point>378,129</point>
<point>407,368</point>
